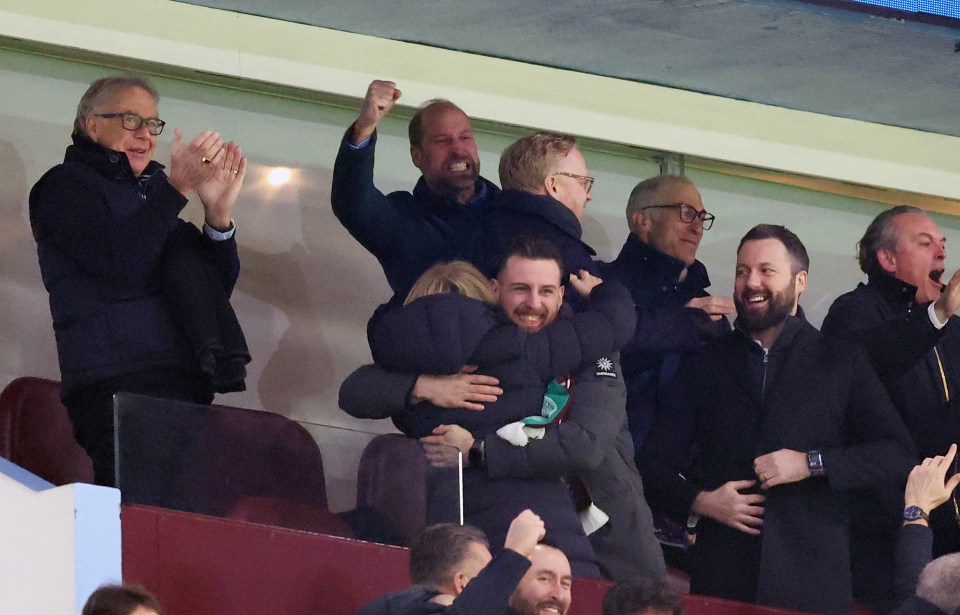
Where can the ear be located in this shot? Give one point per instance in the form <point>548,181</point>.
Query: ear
<point>460,581</point>
<point>887,260</point>
<point>415,155</point>
<point>550,185</point>
<point>90,123</point>
<point>560,290</point>
<point>801,282</point>
<point>637,220</point>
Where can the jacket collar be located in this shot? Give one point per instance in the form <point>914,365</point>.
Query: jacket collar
<point>640,260</point>
<point>791,327</point>
<point>429,199</point>
<point>105,161</point>
<point>545,207</point>
<point>893,290</point>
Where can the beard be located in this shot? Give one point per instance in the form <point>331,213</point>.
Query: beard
<point>778,306</point>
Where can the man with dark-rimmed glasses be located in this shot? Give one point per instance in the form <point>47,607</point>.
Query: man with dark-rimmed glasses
<point>139,297</point>
<point>658,263</point>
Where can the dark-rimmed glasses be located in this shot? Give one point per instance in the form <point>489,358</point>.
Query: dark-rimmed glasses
<point>585,180</point>
<point>132,121</point>
<point>688,213</point>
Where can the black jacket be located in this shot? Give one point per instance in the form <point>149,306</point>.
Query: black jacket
<point>907,352</point>
<point>439,334</point>
<point>100,240</point>
<point>513,214</point>
<point>408,233</point>
<point>487,593</point>
<point>665,328</point>
<point>732,402</point>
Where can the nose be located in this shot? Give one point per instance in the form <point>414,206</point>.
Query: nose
<point>532,300</point>
<point>753,280</point>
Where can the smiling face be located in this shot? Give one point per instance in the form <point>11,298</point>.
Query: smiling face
<point>570,190</point>
<point>545,589</point>
<point>766,289</point>
<point>918,258</point>
<point>663,229</point>
<point>529,291</point>
<point>447,156</point>
<point>138,144</point>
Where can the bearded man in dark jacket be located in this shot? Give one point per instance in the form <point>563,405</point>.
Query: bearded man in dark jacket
<point>769,427</point>
<point>409,232</point>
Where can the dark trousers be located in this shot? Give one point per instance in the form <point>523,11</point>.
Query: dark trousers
<point>91,411</point>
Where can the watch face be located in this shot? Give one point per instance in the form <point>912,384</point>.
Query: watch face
<point>912,513</point>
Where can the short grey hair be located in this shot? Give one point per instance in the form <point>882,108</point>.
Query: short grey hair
<point>644,193</point>
<point>103,91</point>
<point>939,583</point>
<point>881,235</point>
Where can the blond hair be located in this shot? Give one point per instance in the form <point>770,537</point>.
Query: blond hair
<point>525,164</point>
<point>458,277</point>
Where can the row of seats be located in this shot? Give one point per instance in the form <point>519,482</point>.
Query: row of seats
<point>36,434</point>
<point>238,473</point>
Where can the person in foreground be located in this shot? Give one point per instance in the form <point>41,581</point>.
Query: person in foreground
<point>923,586</point>
<point>783,422</point>
<point>126,276</point>
<point>453,572</point>
<point>642,597</point>
<point>121,600</point>
<point>546,587</point>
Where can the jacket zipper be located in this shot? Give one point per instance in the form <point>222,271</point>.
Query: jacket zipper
<point>763,385</point>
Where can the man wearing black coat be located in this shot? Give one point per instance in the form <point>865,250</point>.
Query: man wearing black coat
<point>904,318</point>
<point>675,314</point>
<point>764,432</point>
<point>409,232</point>
<point>546,187</point>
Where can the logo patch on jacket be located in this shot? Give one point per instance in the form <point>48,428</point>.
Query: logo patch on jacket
<point>605,368</point>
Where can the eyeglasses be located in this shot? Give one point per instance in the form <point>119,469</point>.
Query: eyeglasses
<point>132,121</point>
<point>688,213</point>
<point>585,180</point>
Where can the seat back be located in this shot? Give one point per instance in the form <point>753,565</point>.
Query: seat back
<point>36,433</point>
<point>205,459</point>
<point>391,480</point>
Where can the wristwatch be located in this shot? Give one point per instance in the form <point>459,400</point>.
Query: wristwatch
<point>815,463</point>
<point>914,513</point>
<point>477,455</point>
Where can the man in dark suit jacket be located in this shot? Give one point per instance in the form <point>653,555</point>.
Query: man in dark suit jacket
<point>763,433</point>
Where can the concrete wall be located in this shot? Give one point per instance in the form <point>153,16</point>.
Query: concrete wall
<point>57,544</point>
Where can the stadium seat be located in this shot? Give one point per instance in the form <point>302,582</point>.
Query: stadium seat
<point>391,480</point>
<point>36,433</point>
